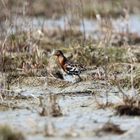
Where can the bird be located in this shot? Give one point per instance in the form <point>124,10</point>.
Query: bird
<point>68,67</point>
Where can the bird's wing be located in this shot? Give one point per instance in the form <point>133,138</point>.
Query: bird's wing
<point>73,69</point>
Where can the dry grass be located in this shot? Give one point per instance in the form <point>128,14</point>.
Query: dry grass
<point>110,128</point>
<point>51,107</point>
<point>57,8</point>
<point>129,110</point>
<point>130,107</point>
<point>6,133</point>
<point>49,130</point>
<point>27,55</point>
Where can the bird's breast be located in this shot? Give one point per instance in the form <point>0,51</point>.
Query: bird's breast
<point>61,62</point>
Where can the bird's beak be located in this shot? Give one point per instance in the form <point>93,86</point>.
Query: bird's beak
<point>55,54</point>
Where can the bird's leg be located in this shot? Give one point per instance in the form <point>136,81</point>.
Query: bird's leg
<point>80,79</point>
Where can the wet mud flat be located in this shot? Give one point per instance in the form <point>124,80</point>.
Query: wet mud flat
<point>36,104</point>
<point>57,109</point>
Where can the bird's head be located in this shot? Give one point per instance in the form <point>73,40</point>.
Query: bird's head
<point>58,53</point>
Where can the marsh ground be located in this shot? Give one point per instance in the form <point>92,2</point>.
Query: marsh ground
<point>39,100</point>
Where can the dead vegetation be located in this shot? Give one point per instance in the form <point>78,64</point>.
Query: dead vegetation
<point>6,133</point>
<point>110,128</point>
<point>131,107</point>
<point>50,107</point>
<point>55,8</point>
<point>129,110</point>
<point>26,58</point>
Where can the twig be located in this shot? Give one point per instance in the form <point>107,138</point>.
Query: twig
<point>82,18</point>
<point>86,92</point>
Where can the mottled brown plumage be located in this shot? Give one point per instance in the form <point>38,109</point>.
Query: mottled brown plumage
<point>67,66</point>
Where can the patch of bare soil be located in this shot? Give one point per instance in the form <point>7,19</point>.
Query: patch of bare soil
<point>48,106</point>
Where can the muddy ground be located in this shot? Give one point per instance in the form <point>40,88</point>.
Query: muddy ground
<point>46,107</point>
<point>40,101</point>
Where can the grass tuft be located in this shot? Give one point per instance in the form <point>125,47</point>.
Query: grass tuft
<point>6,133</point>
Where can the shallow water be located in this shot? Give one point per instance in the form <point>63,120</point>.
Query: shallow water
<point>91,27</point>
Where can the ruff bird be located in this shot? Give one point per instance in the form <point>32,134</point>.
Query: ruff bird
<point>67,66</point>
